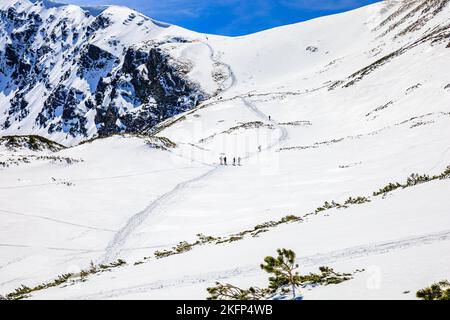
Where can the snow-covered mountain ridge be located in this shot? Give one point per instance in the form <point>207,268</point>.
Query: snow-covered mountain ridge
<point>329,117</point>
<point>70,75</point>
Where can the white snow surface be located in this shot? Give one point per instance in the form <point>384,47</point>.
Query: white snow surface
<point>129,197</point>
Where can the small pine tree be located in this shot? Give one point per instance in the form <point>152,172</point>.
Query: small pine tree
<point>92,267</point>
<point>283,269</point>
<point>437,291</point>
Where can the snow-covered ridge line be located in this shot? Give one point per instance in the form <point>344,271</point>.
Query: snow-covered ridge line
<point>73,74</point>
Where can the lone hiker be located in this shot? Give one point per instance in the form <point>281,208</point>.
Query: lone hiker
<point>259,148</point>
<point>270,118</point>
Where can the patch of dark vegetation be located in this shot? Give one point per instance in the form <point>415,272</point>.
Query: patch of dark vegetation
<point>185,246</point>
<point>413,180</point>
<point>346,166</point>
<point>16,161</point>
<point>298,148</point>
<point>333,204</point>
<point>152,141</point>
<point>390,103</point>
<point>419,11</point>
<point>404,7</point>
<point>32,142</point>
<point>296,123</point>
<point>416,121</point>
<point>359,75</point>
<point>437,291</point>
<point>435,36</point>
<point>314,146</point>
<point>284,280</point>
<point>162,143</point>
<point>335,84</point>
<point>165,124</point>
<point>428,10</point>
<point>420,123</point>
<point>412,88</point>
<point>312,49</point>
<point>24,292</point>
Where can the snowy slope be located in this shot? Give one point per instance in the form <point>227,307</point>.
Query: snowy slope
<point>72,73</point>
<point>341,106</point>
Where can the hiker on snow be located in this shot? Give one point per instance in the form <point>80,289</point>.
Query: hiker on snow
<point>221,160</point>
<point>239,161</point>
<point>234,161</point>
<point>225,161</point>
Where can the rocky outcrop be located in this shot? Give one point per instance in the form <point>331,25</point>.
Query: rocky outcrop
<point>62,112</point>
<point>147,90</point>
<point>96,89</point>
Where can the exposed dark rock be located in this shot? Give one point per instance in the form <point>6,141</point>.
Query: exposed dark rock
<point>101,22</point>
<point>61,112</point>
<point>94,58</point>
<point>148,82</point>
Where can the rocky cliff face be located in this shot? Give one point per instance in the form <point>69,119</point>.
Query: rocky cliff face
<point>71,75</point>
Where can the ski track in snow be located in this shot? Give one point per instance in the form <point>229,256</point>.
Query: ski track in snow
<point>54,220</point>
<point>312,260</point>
<point>212,56</point>
<point>137,174</point>
<point>115,246</point>
<point>48,248</point>
<point>284,133</point>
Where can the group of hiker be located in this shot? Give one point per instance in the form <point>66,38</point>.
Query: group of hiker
<point>236,161</point>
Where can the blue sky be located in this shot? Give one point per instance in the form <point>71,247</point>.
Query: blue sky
<point>233,17</point>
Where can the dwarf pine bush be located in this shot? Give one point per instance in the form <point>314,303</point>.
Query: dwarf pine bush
<point>437,291</point>
<point>389,188</point>
<point>326,277</point>
<point>231,292</point>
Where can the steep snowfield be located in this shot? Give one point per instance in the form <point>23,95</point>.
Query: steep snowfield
<point>341,106</point>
